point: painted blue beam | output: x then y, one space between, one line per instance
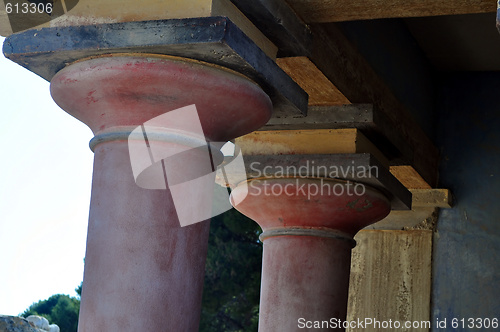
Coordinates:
278 21
211 39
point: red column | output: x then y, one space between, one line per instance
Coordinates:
308 227
143 271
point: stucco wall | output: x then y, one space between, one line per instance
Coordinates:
466 257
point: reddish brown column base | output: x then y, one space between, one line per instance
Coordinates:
143 271
308 227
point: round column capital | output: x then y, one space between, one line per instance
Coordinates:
127 90
310 206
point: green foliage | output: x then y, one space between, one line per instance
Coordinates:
78 290
232 275
58 309
232 281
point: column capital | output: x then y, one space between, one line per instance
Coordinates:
214 40
309 225
113 94
142 268
305 204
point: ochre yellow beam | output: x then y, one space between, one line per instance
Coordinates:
409 177
423 213
431 198
316 141
321 11
321 91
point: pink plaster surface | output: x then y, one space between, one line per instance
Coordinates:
143 271
303 207
305 276
128 91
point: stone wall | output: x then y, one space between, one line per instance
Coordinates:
30 324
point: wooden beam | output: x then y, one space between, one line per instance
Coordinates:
5 28
228 9
320 90
322 11
17 21
315 141
431 198
344 66
409 177
214 40
372 123
277 20
109 11
423 214
359 83
358 167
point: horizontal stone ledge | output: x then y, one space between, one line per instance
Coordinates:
211 39
441 198
277 20
364 117
359 167
423 214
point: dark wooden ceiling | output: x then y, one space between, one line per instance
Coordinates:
459 42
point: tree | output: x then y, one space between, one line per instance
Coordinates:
232 275
78 290
232 281
58 309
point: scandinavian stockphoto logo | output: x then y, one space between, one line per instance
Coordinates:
171 151
24 14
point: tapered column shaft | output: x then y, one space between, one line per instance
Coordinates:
140 262
304 277
143 270
308 225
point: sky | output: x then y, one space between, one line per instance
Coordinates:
46 175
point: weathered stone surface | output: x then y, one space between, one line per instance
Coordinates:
31 324
390 278
54 328
39 322
214 40
15 324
